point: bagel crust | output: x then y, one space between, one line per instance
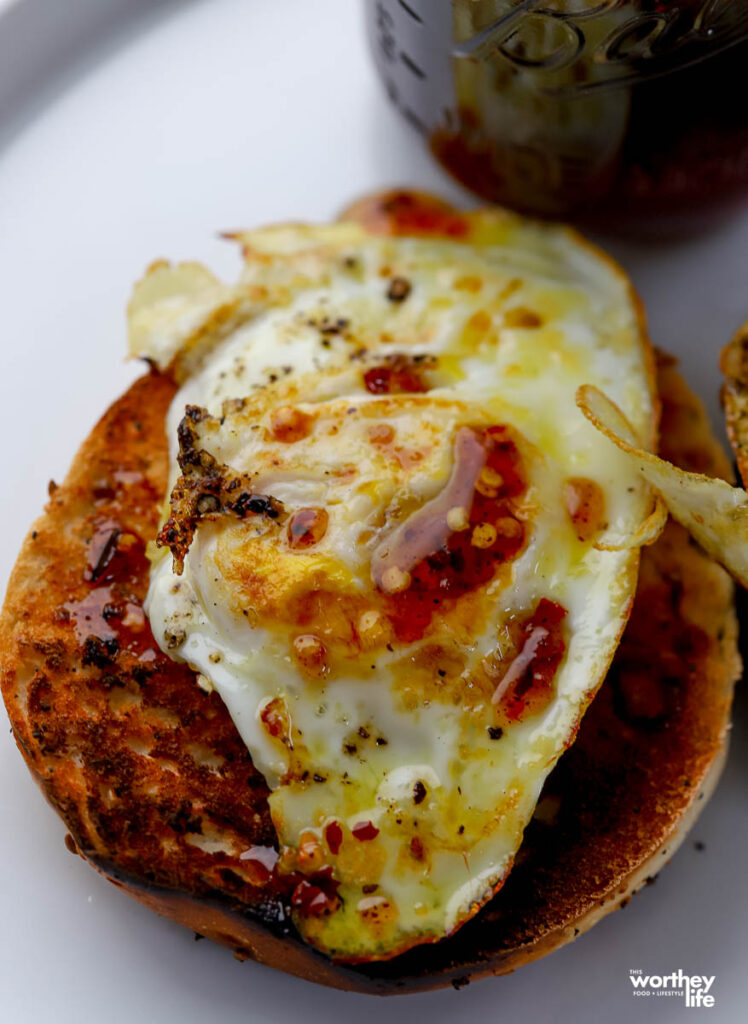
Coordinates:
159 793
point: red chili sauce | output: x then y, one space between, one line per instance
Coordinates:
398 377
533 687
459 564
401 213
109 619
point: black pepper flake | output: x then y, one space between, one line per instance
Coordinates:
399 289
257 505
419 792
329 326
460 830
100 652
319 778
441 672
363 733
698 845
495 732
369 888
350 748
381 741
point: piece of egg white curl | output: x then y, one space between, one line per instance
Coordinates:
397 548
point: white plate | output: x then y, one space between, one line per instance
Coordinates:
137 128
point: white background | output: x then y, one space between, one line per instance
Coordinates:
131 129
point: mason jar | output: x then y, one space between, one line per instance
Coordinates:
615 111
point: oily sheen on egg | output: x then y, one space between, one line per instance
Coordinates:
398 547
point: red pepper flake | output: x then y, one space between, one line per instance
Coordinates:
334 837
364 831
378 380
316 896
398 377
311 900
274 716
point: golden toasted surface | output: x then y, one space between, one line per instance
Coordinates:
146 769
158 791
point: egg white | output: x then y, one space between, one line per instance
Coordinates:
515 319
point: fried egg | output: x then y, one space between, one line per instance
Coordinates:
394 545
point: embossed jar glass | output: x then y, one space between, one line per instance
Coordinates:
619 111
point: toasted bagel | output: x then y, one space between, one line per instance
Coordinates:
158 790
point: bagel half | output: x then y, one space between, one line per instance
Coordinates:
154 783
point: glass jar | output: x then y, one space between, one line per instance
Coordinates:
615 111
